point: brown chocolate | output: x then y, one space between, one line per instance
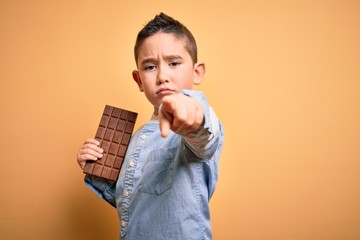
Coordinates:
114 133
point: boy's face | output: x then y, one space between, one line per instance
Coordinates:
165 67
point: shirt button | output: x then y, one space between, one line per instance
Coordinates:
131 163
123 223
143 137
126 193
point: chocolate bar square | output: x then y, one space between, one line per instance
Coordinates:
114 133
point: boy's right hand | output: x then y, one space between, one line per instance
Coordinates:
89 151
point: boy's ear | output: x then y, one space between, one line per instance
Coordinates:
199 72
137 79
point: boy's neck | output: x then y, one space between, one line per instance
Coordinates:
156 111
155 115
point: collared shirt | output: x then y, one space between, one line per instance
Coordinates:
165 184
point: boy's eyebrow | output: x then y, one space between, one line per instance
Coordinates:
167 57
148 60
172 56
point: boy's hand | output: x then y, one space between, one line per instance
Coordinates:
180 113
89 151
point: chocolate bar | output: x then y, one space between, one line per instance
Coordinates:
114 133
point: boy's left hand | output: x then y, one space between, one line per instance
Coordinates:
180 113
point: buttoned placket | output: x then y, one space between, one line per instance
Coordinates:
129 183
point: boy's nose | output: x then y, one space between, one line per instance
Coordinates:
163 76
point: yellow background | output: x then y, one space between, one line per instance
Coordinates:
283 76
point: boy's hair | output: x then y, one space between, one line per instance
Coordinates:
164 23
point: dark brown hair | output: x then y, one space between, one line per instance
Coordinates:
164 23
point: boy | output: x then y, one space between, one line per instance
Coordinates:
171 167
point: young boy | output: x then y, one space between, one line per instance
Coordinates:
171 167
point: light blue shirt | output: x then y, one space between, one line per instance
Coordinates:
165 184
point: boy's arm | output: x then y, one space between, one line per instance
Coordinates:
103 188
189 115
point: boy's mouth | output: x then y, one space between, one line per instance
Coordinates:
165 91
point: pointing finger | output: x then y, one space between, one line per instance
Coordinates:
165 123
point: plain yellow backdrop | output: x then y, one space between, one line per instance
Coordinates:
283 76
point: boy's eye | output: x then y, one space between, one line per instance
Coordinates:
150 67
174 64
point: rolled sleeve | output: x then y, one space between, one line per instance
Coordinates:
204 141
103 188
